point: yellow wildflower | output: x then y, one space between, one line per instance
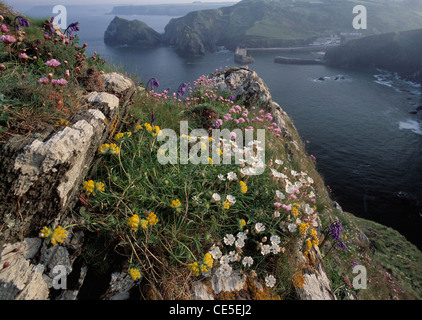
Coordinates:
295 212
210 161
175 203
135 273
45 232
122 135
99 186
148 126
109 148
62 122
92 187
89 186
203 268
152 219
208 260
313 234
303 227
138 127
144 224
226 204
309 244
243 187
133 222
58 235
242 223
194 268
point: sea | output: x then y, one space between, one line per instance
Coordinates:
362 126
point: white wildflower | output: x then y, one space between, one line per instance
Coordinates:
229 239
242 235
290 188
225 270
247 261
231 176
275 249
265 249
259 227
270 281
275 239
231 199
239 243
215 252
292 227
216 197
280 195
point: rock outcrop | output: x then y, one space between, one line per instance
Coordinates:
397 52
122 32
41 176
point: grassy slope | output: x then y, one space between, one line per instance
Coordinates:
262 22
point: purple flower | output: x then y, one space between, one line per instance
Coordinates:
21 22
73 27
182 89
153 83
50 27
335 229
231 97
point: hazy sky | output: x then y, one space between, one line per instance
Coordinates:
27 3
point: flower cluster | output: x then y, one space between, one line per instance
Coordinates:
54 236
335 230
92 187
135 273
134 221
202 268
109 148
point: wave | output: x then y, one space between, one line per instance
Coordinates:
411 125
398 84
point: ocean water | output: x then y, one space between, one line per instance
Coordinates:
359 124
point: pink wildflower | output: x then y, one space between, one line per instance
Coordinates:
52 63
7 39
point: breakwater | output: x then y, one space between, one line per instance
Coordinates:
288 60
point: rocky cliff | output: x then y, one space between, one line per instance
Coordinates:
265 23
397 52
122 32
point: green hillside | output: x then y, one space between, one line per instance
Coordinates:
266 23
